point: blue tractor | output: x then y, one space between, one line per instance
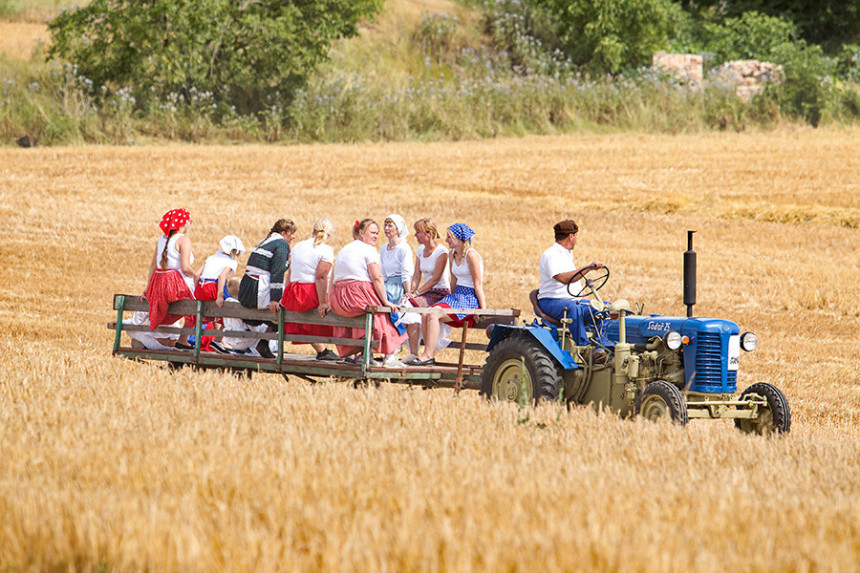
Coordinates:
654 366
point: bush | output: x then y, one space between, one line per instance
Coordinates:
612 35
239 52
807 91
752 36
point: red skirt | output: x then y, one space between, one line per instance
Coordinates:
302 297
349 299
454 321
164 288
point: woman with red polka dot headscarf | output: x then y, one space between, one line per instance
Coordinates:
171 276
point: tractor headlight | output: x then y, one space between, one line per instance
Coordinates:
749 341
673 340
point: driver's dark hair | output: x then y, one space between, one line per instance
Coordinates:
563 236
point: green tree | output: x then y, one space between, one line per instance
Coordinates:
829 23
611 35
238 52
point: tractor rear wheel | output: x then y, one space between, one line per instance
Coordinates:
519 369
773 418
660 399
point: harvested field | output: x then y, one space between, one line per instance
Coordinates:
107 464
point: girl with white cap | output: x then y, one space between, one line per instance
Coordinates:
213 279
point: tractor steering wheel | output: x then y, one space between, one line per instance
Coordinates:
591 285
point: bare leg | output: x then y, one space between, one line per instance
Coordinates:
431 335
414 332
317 346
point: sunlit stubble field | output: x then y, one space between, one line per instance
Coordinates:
110 464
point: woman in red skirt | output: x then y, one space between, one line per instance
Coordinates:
358 284
310 267
171 276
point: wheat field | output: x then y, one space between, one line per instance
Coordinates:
108 464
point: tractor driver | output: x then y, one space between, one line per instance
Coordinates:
556 271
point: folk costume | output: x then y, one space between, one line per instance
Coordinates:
353 292
464 295
301 294
263 281
169 284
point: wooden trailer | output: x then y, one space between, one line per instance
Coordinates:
443 374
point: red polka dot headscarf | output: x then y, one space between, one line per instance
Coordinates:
174 219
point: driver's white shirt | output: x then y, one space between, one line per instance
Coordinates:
553 261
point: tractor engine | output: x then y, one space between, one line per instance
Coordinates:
699 354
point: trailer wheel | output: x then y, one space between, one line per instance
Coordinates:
774 418
504 377
661 399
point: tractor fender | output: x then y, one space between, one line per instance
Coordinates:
542 335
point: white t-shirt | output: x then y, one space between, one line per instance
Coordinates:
397 262
428 266
216 263
352 260
553 261
305 257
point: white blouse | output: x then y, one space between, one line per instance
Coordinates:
428 266
352 261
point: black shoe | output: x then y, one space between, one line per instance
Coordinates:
263 349
183 346
216 346
417 362
327 355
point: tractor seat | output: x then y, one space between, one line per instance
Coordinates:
533 297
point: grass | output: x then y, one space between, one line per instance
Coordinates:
424 70
113 465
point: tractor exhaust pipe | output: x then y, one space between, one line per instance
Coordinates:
690 275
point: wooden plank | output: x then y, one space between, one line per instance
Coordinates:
249 335
439 310
236 310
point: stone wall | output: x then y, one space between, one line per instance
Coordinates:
748 76
686 67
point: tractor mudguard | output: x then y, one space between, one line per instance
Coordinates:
543 335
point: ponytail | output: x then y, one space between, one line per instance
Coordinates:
163 263
322 230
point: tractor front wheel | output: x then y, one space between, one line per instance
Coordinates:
519 370
773 418
661 399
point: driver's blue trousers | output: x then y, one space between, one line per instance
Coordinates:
579 311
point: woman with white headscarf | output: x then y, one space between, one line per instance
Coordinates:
397 259
397 269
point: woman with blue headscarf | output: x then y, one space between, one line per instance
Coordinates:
467 282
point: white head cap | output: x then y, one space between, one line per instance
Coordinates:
400 223
230 243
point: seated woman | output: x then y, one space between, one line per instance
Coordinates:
171 277
431 264
310 269
467 269
397 270
213 278
358 284
262 284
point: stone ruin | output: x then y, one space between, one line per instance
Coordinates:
685 67
748 77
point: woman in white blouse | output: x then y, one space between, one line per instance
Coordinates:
358 284
431 265
310 268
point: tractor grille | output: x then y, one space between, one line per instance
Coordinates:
711 373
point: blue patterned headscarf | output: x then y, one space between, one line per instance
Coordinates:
462 231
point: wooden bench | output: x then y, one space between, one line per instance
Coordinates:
302 365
